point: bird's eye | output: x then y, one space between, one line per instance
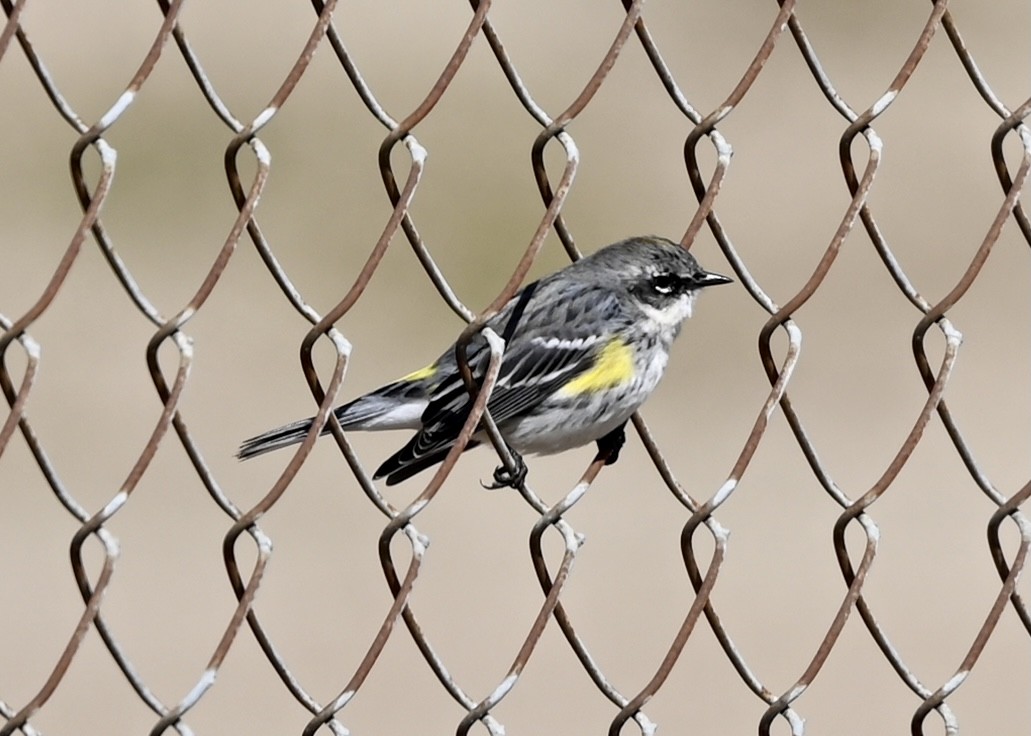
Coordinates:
665 283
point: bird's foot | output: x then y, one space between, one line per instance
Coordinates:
506 478
610 445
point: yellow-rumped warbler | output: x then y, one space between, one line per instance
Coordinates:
584 348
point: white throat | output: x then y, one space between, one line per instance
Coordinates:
671 317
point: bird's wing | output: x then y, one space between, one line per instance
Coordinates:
532 370
537 362
548 342
529 373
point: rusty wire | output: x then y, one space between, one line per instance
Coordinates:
857 505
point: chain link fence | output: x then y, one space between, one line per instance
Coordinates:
819 524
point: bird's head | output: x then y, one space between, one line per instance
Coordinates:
660 275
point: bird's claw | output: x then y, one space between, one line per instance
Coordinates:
505 478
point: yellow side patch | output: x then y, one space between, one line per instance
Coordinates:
615 365
422 373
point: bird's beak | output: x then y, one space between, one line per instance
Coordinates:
707 278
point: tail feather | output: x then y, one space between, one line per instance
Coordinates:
274 439
398 405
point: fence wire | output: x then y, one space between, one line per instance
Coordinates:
402 544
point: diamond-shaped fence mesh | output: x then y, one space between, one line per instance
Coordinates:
819 523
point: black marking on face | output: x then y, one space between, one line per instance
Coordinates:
667 284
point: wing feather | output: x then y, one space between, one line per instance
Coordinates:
538 361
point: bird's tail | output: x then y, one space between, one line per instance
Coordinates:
397 405
289 434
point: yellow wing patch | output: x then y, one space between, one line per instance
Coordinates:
427 372
615 365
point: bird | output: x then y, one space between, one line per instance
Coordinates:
584 347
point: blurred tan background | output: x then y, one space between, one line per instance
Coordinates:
856 386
